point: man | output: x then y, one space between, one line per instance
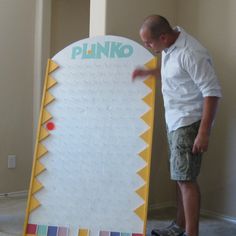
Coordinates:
191 93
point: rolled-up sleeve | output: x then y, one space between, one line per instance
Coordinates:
200 68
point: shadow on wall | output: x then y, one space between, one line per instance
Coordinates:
162 190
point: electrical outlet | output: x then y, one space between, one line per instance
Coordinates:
11 164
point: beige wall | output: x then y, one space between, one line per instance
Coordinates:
16 91
70 22
125 17
213 23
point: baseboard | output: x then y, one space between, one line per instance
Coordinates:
18 194
218 216
161 205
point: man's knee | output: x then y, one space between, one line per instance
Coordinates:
187 184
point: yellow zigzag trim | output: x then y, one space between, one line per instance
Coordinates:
46 116
40 150
150 82
152 63
52 66
145 154
143 173
83 232
140 211
149 99
142 191
146 136
36 186
43 134
48 98
39 168
34 203
51 82
148 117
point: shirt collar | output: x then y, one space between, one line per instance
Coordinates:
180 41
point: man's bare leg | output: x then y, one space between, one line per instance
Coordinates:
191 204
180 218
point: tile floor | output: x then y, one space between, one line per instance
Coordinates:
12 213
12 217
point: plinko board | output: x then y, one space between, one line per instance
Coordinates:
90 173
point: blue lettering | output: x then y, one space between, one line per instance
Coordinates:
115 49
75 52
88 54
127 50
103 49
98 50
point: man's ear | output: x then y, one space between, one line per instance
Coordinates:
163 37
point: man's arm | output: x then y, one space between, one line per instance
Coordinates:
142 72
208 115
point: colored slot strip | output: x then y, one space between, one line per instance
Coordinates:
62 231
31 229
115 234
104 233
126 234
83 232
42 230
52 231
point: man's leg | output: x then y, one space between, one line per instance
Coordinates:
184 169
191 204
180 218
177 227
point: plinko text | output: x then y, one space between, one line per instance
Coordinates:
98 50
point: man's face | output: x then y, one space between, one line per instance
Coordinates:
156 45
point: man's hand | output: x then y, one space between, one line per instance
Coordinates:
202 140
201 143
142 72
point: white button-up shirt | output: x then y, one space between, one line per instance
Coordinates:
187 77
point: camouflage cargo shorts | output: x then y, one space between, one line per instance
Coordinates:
184 165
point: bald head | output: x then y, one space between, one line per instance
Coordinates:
156 25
